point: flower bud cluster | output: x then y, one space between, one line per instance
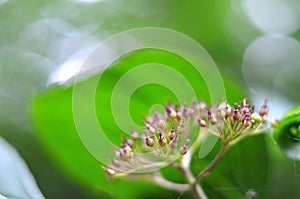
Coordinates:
241 119
167 136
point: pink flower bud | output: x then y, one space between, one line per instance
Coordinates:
201 122
173 143
109 171
134 135
115 162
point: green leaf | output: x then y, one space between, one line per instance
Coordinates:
54 122
231 178
287 133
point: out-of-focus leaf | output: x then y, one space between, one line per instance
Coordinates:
287 133
232 178
16 181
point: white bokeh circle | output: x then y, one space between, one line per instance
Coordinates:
271 70
274 16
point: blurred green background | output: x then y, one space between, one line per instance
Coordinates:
255 45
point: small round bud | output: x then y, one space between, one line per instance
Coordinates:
127 148
171 135
184 111
183 150
124 157
129 142
236 115
118 153
134 135
173 114
264 118
126 154
256 117
245 108
190 111
220 113
109 171
201 122
209 114
150 128
213 120
161 123
149 142
115 162
173 143
264 109
201 106
172 129
161 140
227 112
247 123
149 120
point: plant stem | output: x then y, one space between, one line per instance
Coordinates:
198 192
159 179
201 175
185 168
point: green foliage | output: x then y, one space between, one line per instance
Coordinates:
38 35
56 128
287 133
245 167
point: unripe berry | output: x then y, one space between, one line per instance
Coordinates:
149 142
161 140
171 135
